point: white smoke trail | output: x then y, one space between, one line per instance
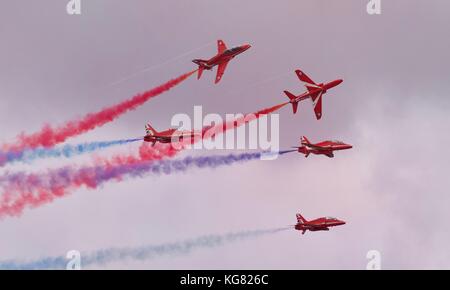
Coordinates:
153 67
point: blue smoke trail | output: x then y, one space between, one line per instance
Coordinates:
143 253
100 175
67 151
57 183
94 176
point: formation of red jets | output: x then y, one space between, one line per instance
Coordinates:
314 92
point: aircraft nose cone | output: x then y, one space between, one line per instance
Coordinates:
246 46
339 81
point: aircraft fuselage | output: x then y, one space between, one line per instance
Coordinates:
225 56
321 88
322 224
324 148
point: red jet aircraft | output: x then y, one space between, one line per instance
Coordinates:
320 224
222 58
314 92
167 136
324 147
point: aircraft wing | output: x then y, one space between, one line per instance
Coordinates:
164 138
315 227
221 46
220 71
186 134
304 78
317 147
330 154
317 104
327 149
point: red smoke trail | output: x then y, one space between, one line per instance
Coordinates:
211 131
49 136
33 190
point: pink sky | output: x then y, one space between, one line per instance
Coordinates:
391 188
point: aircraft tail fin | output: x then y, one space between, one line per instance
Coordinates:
201 66
149 130
300 219
294 107
304 141
292 97
200 71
